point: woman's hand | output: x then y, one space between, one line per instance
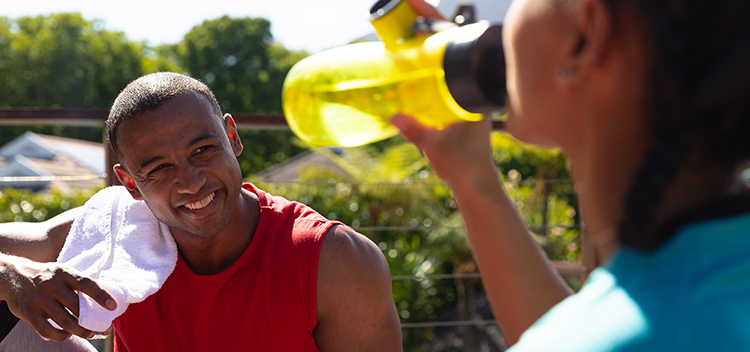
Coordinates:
459 153
426 10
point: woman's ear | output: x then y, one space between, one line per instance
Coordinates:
234 138
127 181
588 41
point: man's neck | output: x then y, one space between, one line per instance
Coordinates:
207 256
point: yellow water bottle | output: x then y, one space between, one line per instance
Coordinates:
344 96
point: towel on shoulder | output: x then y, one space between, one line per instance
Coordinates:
118 242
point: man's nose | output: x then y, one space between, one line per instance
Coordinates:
190 180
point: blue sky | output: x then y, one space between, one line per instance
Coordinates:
312 25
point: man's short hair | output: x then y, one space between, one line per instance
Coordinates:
149 92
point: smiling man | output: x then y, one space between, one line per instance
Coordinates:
255 272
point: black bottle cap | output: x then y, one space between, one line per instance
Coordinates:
381 7
475 71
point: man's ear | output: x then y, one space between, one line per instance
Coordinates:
127 181
588 41
234 138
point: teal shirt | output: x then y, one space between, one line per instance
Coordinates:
692 294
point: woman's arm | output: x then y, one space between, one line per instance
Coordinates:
519 279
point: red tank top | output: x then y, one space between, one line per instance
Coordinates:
266 301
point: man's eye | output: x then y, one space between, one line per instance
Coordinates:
203 149
162 166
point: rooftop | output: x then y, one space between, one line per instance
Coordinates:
50 160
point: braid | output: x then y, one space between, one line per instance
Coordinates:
700 87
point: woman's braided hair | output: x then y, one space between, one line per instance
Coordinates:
699 99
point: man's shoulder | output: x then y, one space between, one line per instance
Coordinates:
349 257
349 264
347 244
281 206
339 243
287 225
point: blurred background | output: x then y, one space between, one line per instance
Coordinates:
72 58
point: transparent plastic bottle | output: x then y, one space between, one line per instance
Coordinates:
344 96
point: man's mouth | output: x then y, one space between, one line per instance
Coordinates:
201 203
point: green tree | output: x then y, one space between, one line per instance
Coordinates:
63 60
238 59
163 58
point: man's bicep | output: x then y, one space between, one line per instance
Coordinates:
355 304
41 242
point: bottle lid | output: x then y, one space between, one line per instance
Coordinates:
381 7
392 20
474 66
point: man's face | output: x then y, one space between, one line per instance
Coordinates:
183 164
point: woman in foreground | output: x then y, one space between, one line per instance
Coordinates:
650 100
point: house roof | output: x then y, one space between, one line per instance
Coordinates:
289 170
36 155
89 154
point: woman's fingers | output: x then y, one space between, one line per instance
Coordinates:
425 9
410 128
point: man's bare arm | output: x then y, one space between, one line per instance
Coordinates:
37 288
355 304
40 242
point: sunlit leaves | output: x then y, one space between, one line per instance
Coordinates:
24 205
63 60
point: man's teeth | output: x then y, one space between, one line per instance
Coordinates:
201 203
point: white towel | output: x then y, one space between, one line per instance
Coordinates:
118 242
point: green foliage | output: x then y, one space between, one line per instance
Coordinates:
529 161
238 60
24 205
545 175
264 148
63 60
163 58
